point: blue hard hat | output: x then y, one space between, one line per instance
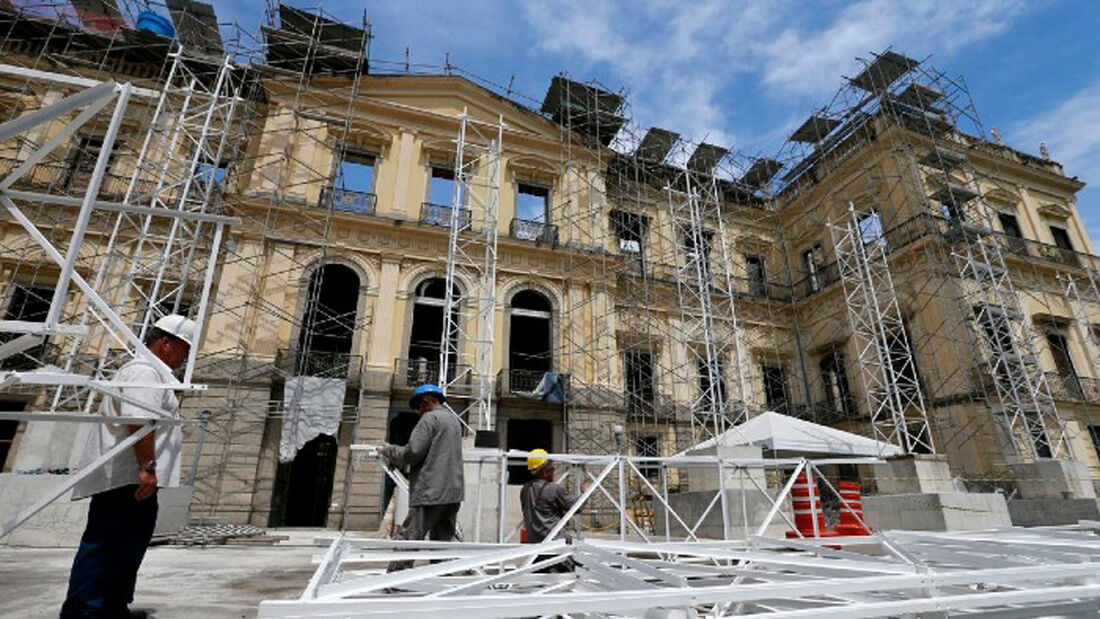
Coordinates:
423 390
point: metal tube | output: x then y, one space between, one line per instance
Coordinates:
61 291
204 418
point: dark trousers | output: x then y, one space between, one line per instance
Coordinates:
105 569
437 522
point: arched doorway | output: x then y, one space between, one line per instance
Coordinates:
426 330
303 486
529 339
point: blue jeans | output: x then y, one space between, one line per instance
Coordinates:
105 569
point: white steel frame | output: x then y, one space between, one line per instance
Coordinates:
476 197
611 477
183 212
890 386
708 316
1010 572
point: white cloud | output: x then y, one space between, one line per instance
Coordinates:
686 64
802 61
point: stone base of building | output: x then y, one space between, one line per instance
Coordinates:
917 492
940 511
1048 512
61 523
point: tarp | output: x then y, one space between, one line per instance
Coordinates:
311 406
788 436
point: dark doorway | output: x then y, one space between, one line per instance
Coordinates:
328 323
529 344
426 332
308 483
525 435
8 428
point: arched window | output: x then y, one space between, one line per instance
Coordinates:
426 332
328 320
529 342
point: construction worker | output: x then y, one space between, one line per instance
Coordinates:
123 510
544 501
434 455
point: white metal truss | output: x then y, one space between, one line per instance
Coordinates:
476 199
610 479
1012 572
100 327
891 387
708 317
156 261
1026 403
1080 313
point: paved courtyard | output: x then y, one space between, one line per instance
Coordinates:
175 581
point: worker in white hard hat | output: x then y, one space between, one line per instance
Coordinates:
123 491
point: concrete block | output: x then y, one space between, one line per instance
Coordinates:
943 511
1054 479
914 474
60 524
1047 512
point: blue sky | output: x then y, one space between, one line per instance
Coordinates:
745 73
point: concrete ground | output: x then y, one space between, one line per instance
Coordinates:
175 582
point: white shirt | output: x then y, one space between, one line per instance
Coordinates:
122 470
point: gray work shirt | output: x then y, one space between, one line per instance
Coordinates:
434 455
544 504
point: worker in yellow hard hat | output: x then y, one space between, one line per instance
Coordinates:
544 501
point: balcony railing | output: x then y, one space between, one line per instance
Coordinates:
62 178
1073 388
411 373
521 383
348 200
822 277
440 215
536 231
317 363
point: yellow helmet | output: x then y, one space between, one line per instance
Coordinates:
534 462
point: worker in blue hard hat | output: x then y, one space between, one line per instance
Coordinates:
434 457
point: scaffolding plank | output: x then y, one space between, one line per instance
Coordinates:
323 30
953 194
883 71
706 158
196 25
761 172
814 129
921 96
943 159
657 144
588 110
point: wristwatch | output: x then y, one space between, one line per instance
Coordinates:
150 466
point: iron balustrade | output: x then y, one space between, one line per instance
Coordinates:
318 363
1073 387
522 382
348 200
440 215
411 373
527 230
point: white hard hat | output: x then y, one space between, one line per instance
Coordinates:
178 326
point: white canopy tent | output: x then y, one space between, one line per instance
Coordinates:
787 436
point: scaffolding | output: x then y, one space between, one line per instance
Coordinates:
690 282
